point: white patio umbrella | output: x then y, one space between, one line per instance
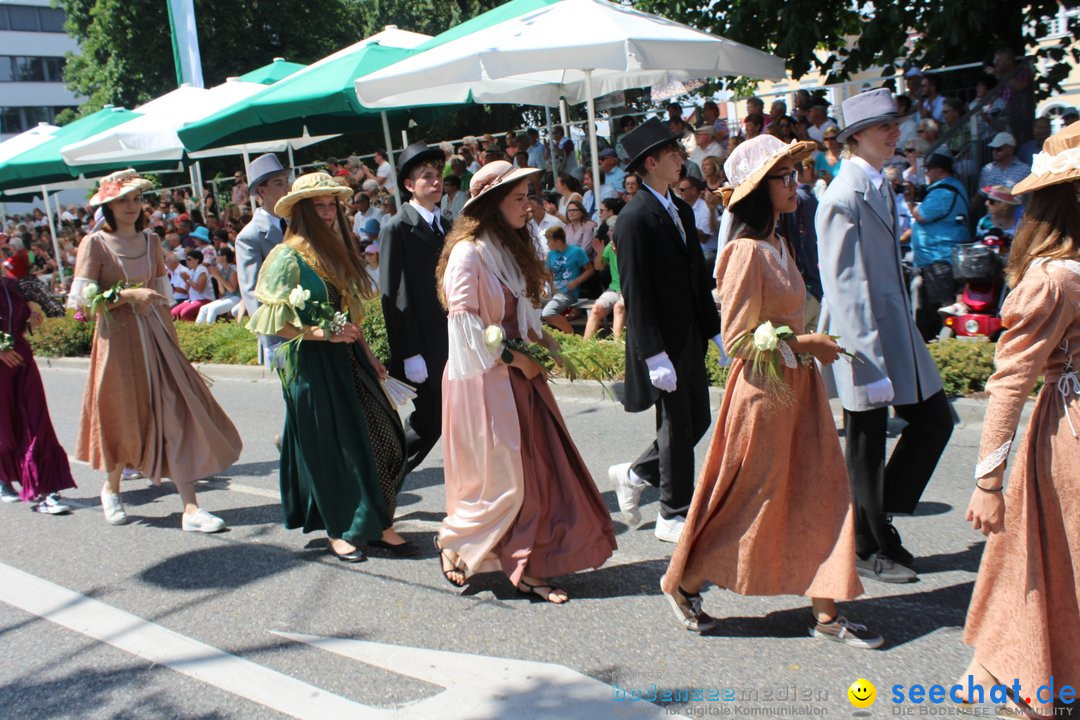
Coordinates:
18 144
573 49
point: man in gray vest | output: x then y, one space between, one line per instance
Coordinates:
268 181
866 304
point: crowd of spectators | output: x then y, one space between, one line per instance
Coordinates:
944 135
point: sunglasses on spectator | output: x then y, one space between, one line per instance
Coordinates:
788 179
992 201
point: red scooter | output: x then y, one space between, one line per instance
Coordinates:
980 266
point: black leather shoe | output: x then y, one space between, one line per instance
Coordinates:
881 568
405 549
353 556
897 552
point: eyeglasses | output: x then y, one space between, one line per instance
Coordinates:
992 201
787 178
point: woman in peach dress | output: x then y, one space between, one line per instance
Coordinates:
519 498
771 513
144 405
1023 621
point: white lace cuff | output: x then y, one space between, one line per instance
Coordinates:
990 463
787 355
469 354
75 299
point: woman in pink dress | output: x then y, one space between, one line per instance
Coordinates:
771 513
518 496
1023 621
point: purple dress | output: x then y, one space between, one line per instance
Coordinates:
29 451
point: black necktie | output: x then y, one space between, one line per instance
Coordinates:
283 224
437 228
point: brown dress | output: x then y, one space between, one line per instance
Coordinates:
144 405
771 513
1023 620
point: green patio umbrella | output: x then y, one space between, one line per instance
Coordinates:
43 163
269 74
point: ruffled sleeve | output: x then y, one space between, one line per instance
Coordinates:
87 270
740 286
469 355
1036 317
280 273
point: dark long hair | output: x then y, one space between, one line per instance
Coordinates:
484 216
754 217
1050 229
336 257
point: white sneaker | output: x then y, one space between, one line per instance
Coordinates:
202 521
113 508
8 493
51 505
131 474
627 492
669 530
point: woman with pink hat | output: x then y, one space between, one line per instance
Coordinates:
519 498
771 512
144 405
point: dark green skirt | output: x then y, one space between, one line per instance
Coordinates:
343 446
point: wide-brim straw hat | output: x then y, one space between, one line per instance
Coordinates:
309 186
493 175
752 160
117 185
1059 162
1000 193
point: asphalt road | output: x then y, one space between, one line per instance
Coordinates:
145 621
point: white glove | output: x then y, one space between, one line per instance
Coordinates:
880 391
661 372
415 369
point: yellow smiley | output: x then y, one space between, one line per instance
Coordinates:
862 693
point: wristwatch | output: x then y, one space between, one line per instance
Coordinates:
507 357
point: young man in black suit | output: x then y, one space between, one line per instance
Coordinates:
671 317
410 245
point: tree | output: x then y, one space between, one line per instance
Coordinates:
126 54
839 38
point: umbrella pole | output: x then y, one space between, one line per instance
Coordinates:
550 147
292 162
52 230
390 156
593 154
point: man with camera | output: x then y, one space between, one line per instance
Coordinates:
939 224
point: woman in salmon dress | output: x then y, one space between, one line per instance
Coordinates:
29 450
519 498
771 513
144 405
1023 621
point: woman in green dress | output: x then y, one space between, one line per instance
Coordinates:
343 446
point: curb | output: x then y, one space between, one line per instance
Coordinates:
966 411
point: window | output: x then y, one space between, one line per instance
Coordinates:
18 119
11 120
31 69
27 18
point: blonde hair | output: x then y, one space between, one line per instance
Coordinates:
330 251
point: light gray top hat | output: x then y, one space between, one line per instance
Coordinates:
866 110
262 168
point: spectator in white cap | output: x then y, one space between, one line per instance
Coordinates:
1005 169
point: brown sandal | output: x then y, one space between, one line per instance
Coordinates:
453 569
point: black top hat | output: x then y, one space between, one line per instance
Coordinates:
645 137
412 156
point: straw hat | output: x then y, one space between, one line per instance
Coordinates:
308 186
753 159
1000 193
493 175
1059 162
117 185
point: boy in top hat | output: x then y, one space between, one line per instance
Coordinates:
865 302
268 181
410 244
671 317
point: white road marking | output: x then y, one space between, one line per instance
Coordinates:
476 686
162 646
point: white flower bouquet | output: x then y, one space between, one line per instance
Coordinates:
767 352
96 299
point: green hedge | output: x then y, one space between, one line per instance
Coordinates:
964 366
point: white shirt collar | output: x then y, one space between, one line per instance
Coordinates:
664 199
428 215
872 173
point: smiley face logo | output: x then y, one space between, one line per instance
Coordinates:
862 693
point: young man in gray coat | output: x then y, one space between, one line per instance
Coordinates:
268 181
866 304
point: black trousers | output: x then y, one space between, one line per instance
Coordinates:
424 426
682 418
879 489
